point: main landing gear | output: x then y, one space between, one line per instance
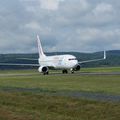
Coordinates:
45 73
64 71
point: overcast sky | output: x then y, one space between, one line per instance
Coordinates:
63 25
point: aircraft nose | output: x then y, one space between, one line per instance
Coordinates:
75 62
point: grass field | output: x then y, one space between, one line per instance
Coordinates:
88 83
27 106
101 69
18 104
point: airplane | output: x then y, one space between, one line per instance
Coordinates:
62 62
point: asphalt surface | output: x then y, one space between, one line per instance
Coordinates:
17 74
59 74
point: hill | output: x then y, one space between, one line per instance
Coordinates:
113 59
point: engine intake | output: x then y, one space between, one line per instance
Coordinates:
77 68
43 69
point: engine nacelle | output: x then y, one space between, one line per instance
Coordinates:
77 68
43 69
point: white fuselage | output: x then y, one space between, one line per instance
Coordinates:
59 61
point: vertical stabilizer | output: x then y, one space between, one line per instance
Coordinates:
40 50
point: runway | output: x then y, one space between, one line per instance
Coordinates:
87 73
18 74
60 74
99 73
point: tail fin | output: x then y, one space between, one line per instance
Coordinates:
40 50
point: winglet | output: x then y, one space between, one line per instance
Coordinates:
41 53
104 54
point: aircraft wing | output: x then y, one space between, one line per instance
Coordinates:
87 61
26 59
12 64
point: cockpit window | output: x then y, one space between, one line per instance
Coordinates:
72 59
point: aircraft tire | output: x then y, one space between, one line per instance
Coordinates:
45 73
72 72
64 71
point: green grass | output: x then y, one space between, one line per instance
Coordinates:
102 84
27 106
101 69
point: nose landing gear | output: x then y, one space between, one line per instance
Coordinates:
72 71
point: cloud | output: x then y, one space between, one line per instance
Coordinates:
32 25
103 8
103 12
50 4
33 5
63 25
92 39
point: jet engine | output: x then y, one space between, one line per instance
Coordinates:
77 67
43 69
